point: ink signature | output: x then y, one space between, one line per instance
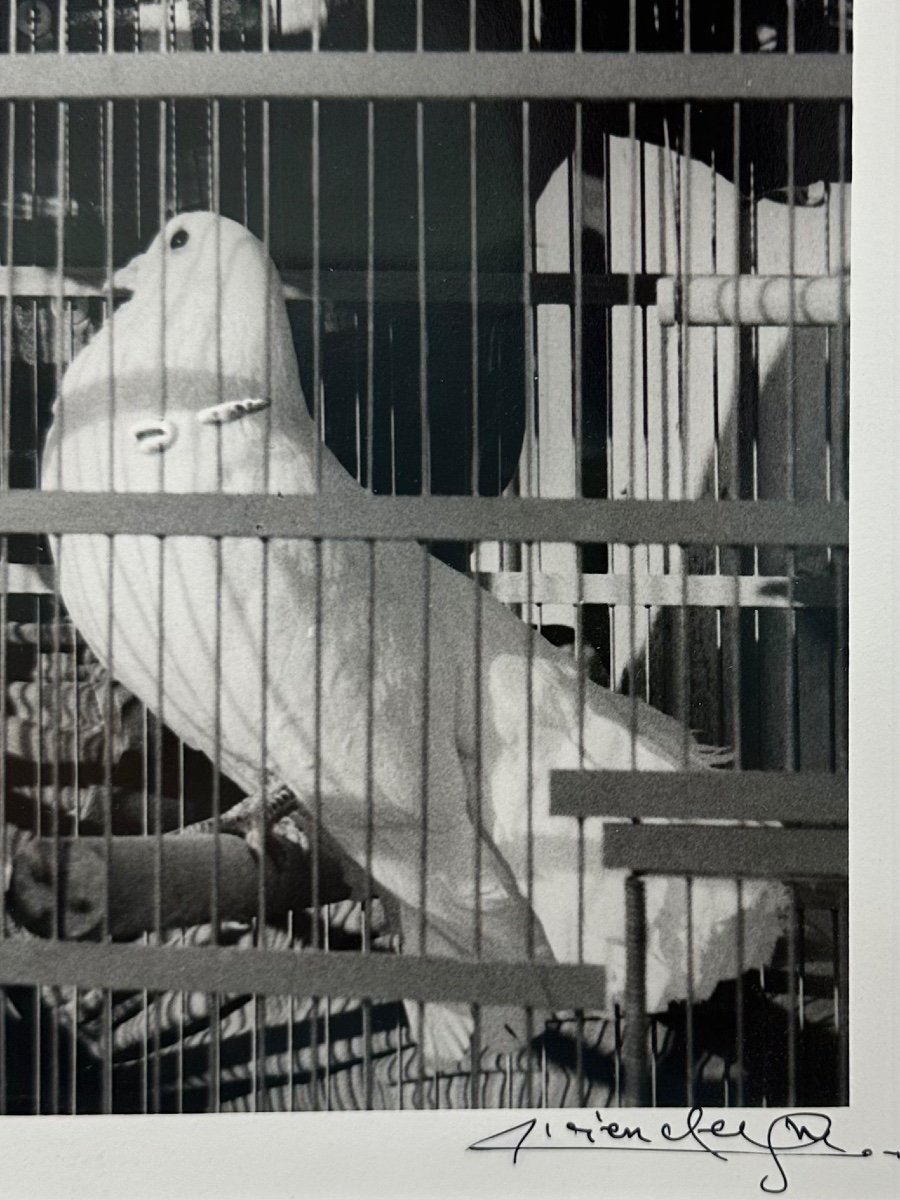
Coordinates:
790 1134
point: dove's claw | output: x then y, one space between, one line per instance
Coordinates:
266 824
444 1036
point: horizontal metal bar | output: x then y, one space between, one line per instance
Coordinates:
725 300
432 76
391 287
232 971
663 591
726 852
651 591
429 518
813 798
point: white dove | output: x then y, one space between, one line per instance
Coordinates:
192 386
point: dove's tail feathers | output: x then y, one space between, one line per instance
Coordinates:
615 732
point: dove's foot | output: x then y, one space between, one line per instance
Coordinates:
443 1033
447 1035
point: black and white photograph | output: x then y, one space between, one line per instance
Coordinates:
425 565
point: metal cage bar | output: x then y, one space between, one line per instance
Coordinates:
724 851
226 970
432 518
431 76
813 798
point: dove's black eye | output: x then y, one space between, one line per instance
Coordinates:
178 239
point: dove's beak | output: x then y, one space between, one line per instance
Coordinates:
125 279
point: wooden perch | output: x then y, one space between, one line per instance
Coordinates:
727 300
73 908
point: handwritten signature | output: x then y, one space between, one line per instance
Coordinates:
806 1133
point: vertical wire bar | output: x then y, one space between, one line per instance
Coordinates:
689 1002
735 490
106 1040
683 218
475 1078
4 1001
735 493
632 658
317 800
740 944
370 278
157 810
631 301
527 303
839 428
792 999
173 122
424 767
291 1010
577 226
157 725
215 904
259 1093
683 250
35 992
643 402
181 997
56 698
424 416
581 867
327 1021
479 820
152 729
791 697
529 802
6 355
841 703
318 416
577 299
473 267
801 968
529 317
37 1047
37 1042
843 997
717 467
107 1031
608 374
368 1078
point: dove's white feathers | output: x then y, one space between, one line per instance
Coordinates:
220 604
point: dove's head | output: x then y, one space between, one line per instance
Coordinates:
198 367
206 287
